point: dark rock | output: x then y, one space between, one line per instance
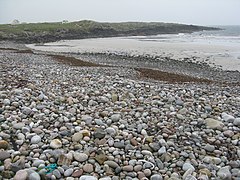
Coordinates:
7 174
129 147
118 170
20 164
155 146
119 145
99 133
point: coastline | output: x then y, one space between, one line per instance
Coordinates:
224 57
49 32
218 63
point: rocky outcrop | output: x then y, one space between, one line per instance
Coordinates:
37 33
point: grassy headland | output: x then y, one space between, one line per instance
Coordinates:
47 32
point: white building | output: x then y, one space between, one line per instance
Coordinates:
15 21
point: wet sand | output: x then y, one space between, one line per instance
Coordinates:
226 57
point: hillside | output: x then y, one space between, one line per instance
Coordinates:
47 32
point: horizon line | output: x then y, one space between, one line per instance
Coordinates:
71 21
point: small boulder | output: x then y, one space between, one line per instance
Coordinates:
111 164
214 124
77 137
227 118
56 143
88 119
34 176
156 177
85 177
224 173
18 125
21 175
115 117
88 168
4 155
35 139
68 172
187 166
99 133
236 122
101 158
4 144
80 157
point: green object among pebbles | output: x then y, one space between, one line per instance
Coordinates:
50 168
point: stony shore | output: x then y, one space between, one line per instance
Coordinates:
81 120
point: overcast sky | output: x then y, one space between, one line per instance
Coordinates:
202 12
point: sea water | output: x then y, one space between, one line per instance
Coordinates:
227 36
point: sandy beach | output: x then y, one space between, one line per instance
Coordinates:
225 56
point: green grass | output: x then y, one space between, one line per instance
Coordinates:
81 25
86 28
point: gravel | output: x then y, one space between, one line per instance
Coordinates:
105 122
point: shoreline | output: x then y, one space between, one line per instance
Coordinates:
170 58
147 72
144 73
216 55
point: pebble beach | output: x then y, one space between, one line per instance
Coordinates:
93 120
